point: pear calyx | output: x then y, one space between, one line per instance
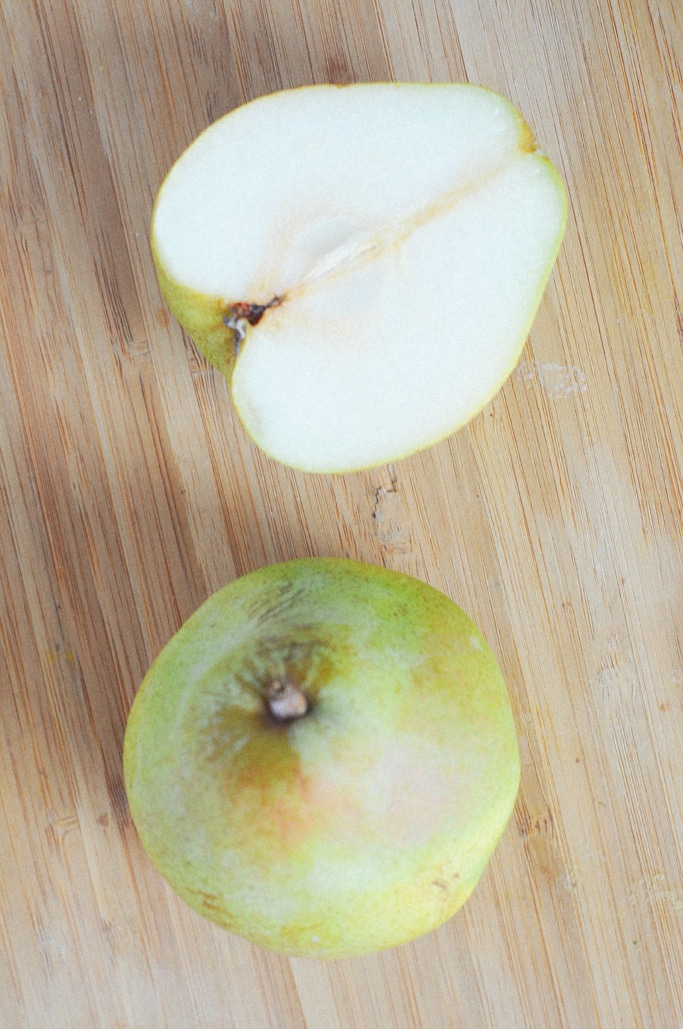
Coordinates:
242 314
286 700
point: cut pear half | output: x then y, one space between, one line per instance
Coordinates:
363 263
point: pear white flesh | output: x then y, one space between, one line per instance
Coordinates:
399 237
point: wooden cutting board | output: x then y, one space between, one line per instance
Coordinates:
129 492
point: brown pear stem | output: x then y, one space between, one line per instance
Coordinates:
286 700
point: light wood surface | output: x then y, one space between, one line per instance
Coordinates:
129 492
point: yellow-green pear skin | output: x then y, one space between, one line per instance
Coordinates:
323 758
203 318
363 263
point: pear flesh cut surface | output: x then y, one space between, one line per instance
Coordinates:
372 257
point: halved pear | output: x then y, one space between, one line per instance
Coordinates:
363 263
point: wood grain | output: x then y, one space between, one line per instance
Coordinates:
129 492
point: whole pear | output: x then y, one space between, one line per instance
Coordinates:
323 758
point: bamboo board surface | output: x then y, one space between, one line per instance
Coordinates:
129 493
